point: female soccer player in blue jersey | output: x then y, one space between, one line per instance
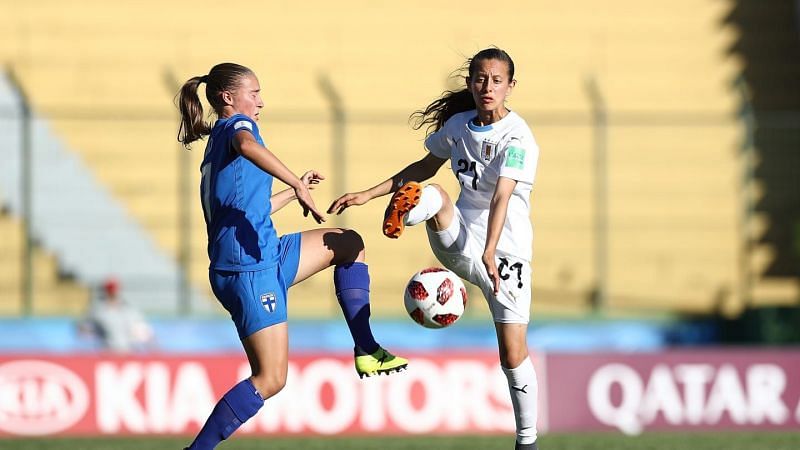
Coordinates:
251 266
487 236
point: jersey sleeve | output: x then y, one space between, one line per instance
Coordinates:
519 159
438 144
241 122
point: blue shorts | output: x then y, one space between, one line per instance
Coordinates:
257 299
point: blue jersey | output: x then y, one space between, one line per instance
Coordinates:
235 194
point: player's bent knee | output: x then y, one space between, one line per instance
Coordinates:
445 197
269 384
511 358
442 192
444 210
346 244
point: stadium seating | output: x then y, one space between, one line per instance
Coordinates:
105 75
54 293
74 218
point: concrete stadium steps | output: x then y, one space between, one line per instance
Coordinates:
52 293
76 219
660 59
139 162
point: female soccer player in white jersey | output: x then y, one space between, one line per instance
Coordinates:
487 236
251 266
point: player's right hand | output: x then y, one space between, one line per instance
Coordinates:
491 270
348 200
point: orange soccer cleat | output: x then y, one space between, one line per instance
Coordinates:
403 201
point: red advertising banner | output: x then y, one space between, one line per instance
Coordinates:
87 395
457 393
689 390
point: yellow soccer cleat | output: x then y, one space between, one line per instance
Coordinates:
378 363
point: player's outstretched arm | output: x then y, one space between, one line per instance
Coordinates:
282 198
418 171
247 146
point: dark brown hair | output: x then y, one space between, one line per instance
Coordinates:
222 77
451 103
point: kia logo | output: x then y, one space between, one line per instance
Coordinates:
39 397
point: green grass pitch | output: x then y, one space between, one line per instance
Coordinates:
611 441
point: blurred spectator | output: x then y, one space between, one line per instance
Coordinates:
118 325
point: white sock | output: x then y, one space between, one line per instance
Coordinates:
430 202
524 392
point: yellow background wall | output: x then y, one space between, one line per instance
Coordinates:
104 72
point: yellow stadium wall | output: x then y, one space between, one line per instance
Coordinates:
104 72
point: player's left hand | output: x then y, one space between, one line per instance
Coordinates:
491 270
311 178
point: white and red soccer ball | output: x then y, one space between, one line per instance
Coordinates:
435 297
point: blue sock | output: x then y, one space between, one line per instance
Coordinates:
352 290
233 409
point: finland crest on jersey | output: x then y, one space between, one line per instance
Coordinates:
269 300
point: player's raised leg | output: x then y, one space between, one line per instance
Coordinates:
344 249
522 383
412 204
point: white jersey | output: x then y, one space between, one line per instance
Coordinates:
479 155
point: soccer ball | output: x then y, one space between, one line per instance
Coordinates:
435 297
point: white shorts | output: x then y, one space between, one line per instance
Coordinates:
460 249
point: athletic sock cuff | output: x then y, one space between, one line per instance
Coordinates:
524 362
353 275
244 400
